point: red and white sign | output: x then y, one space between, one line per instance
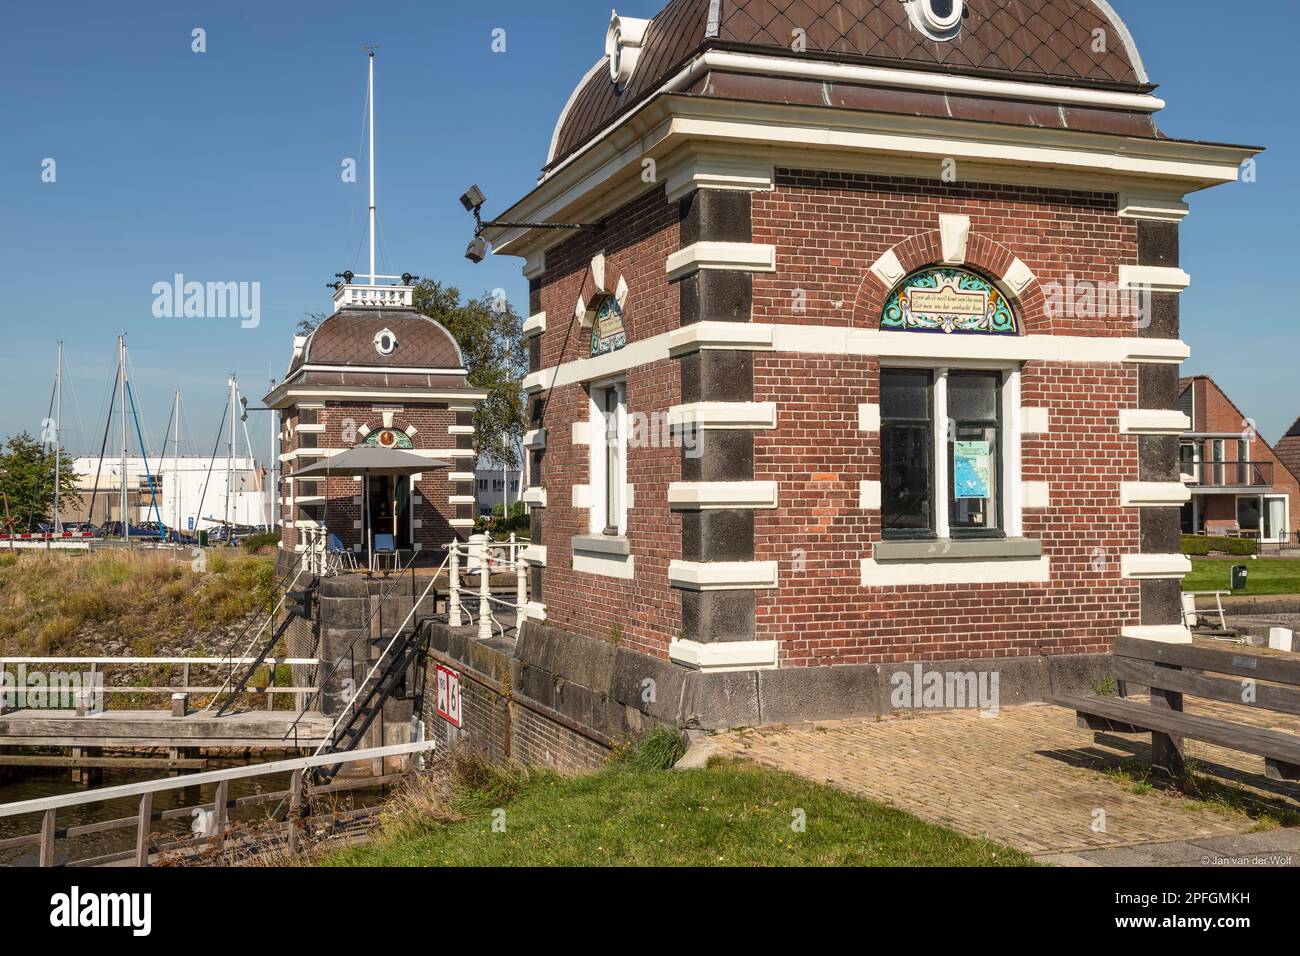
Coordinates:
449 696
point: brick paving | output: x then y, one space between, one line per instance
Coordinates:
1031 779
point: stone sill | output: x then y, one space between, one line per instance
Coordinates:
966 549
602 544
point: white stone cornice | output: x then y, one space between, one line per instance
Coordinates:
535 497
723 575
1153 278
724 416
1151 421
722 495
535 325
731 256
726 656
1159 633
1154 494
1155 567
535 440
534 554
1164 209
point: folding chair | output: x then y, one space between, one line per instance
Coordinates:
386 549
341 557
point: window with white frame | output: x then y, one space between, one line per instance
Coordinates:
609 459
949 467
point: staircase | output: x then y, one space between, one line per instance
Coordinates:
297 606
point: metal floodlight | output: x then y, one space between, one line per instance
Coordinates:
478 250
473 199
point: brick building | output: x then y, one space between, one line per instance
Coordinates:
869 356
1239 483
377 372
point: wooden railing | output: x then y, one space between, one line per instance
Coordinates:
215 829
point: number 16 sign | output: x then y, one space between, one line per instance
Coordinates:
449 695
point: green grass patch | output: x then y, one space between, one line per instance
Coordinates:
1203 792
731 814
60 603
1267 575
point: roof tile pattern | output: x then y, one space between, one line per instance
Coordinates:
348 339
1032 39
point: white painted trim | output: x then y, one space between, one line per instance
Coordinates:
461 522
1155 567
621 566
534 264
601 64
1160 208
723 575
535 440
1150 421
462 500
710 171
725 657
1160 633
535 497
869 495
309 430
535 611
732 256
1035 421
1019 277
1130 47
460 429
838 340
999 571
534 554
954 234
582 497
868 418
718 495
459 477
1035 495
1154 494
534 325
724 416
581 434
1154 278
888 269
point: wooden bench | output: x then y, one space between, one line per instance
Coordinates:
1248 677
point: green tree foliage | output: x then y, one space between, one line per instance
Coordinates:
490 333
27 479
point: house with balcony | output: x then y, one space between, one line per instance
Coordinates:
1241 486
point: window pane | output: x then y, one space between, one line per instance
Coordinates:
613 469
905 465
973 460
904 394
973 396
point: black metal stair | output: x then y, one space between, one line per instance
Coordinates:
298 605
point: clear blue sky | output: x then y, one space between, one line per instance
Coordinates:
225 166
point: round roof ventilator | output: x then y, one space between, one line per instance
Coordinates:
937 19
623 46
386 342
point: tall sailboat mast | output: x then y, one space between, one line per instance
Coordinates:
371 113
58 435
230 455
121 359
176 465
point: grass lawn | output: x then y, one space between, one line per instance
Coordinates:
731 814
1267 575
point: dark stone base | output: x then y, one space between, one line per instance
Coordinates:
604 693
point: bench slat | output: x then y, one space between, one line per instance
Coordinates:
1255 740
1271 697
1253 662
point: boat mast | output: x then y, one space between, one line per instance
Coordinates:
230 456
371 112
121 358
58 435
176 465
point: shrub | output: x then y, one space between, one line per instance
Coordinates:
1198 545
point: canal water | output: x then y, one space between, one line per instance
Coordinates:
33 785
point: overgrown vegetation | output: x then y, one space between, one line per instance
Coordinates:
1267 576
634 813
258 542
59 603
1203 792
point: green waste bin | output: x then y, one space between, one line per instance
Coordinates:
203 539
1239 575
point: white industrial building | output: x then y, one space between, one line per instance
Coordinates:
189 492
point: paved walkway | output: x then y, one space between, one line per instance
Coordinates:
1031 779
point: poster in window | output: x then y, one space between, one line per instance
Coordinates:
971 469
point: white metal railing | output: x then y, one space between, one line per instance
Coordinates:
98 665
221 803
486 557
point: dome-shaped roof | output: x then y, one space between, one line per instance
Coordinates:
381 338
1073 41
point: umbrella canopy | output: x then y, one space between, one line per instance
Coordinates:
369 460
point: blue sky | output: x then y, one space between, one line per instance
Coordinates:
225 166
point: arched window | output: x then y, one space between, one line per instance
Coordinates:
949 301
607 332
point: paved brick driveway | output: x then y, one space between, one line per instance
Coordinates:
1029 778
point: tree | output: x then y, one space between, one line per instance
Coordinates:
27 478
490 333
310 323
